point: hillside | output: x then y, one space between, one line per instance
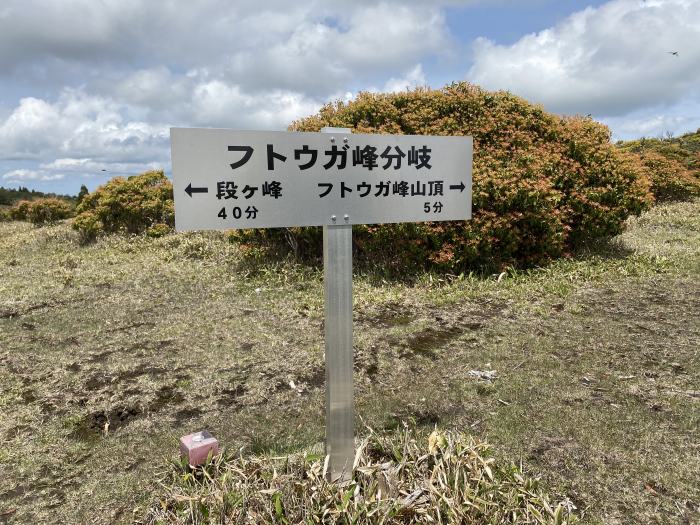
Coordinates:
110 352
685 148
8 196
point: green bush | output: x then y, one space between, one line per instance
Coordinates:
88 226
159 230
131 205
541 183
48 211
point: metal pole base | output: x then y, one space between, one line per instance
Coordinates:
337 263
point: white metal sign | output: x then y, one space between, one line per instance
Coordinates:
225 179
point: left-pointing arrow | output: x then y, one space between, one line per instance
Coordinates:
190 190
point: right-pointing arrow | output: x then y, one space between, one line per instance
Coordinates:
459 187
189 190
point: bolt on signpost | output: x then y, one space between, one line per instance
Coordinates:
226 179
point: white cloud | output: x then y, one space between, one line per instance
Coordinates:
319 57
78 125
73 165
90 168
85 133
314 47
216 103
413 79
656 121
250 64
24 175
90 86
607 61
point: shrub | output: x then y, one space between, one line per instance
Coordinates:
673 166
670 180
541 183
20 211
131 205
159 230
88 226
48 211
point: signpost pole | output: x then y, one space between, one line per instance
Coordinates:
337 269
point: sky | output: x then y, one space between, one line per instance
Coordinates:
90 88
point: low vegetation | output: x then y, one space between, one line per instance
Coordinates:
583 373
41 211
684 149
49 211
542 185
398 478
30 205
9 196
672 164
132 205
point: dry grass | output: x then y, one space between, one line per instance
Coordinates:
398 478
595 358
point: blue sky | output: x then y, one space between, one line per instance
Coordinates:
89 89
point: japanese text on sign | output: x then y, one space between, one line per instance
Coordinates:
229 179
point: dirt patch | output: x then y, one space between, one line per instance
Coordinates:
131 326
100 357
94 424
187 414
166 395
316 378
366 361
246 347
10 314
231 397
388 315
139 371
428 341
97 381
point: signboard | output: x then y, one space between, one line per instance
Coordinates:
226 179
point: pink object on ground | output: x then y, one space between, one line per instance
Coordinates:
195 447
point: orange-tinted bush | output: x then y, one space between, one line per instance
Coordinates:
131 205
541 183
48 211
20 211
672 164
670 180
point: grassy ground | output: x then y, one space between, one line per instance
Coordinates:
108 353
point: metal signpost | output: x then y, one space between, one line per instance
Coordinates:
226 179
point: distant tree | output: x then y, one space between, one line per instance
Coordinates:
82 193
